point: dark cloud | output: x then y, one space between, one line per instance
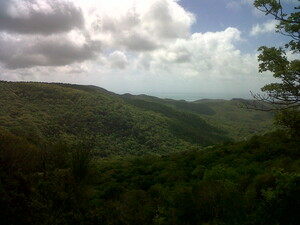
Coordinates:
183 56
28 16
56 51
118 60
126 31
137 42
53 33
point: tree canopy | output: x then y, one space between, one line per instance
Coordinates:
285 95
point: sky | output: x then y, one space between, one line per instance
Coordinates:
182 49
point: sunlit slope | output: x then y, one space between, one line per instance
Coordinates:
44 113
233 116
240 121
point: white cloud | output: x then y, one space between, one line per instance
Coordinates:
128 45
201 54
139 25
266 27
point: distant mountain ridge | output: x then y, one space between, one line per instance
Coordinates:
230 115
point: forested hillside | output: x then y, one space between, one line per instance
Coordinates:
48 113
246 183
179 164
81 155
232 116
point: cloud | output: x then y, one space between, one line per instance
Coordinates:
43 33
266 27
142 26
136 42
24 52
39 16
57 33
121 45
166 19
203 54
118 60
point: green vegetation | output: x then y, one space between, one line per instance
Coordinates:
54 169
240 123
54 139
283 96
250 182
48 113
179 165
186 125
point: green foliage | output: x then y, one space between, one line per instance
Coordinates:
186 125
36 186
229 116
227 184
250 182
81 160
48 113
289 118
289 22
181 104
18 161
52 170
286 94
240 123
17 154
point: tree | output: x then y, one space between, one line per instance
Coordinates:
82 156
283 96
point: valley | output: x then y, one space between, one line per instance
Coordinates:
73 154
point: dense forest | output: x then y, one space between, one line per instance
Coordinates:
81 155
250 182
73 154
118 125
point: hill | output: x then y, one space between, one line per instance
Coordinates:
232 116
52 171
46 113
